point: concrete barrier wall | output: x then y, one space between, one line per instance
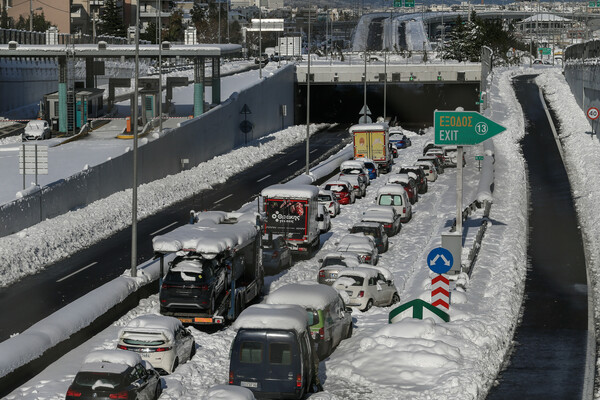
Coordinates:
214 133
584 80
27 81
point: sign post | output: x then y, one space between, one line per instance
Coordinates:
593 113
462 128
440 261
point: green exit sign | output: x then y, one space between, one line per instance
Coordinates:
592 4
479 158
546 51
397 3
409 3
463 128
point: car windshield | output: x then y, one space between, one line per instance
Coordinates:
333 261
98 379
351 171
357 280
366 230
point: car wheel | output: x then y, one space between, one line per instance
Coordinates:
368 306
349 334
395 299
193 349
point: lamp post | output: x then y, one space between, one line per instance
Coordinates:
159 29
308 98
135 149
30 15
259 41
365 89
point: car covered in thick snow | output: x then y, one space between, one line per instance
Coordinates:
367 287
332 262
115 374
376 231
362 244
162 341
329 319
370 166
355 167
395 196
37 130
386 216
408 182
429 169
343 191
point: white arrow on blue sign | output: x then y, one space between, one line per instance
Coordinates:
440 260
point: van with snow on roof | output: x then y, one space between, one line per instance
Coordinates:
291 211
395 196
272 353
329 319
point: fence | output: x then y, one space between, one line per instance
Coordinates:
27 37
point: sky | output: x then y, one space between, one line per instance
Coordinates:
416 359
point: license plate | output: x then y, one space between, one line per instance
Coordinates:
145 355
186 320
349 292
249 384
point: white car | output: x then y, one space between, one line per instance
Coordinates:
355 167
37 130
362 244
328 199
333 262
395 196
367 287
162 341
430 171
323 218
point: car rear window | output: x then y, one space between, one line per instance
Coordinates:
389 200
98 379
358 280
324 197
144 342
366 230
333 261
251 352
280 353
335 188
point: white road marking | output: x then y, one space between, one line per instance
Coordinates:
263 178
312 151
76 272
220 200
163 228
293 162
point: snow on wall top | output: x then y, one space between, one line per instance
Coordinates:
368 127
206 237
308 295
289 190
110 360
153 324
273 316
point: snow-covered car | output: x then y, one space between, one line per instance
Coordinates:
323 218
333 262
394 150
115 374
328 199
355 167
367 287
439 168
358 184
329 319
229 392
162 341
408 182
361 244
420 178
343 191
370 166
395 196
276 254
399 139
439 153
451 154
36 130
429 169
387 216
376 231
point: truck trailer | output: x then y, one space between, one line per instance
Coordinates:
372 141
291 211
217 269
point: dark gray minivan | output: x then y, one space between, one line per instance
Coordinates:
272 353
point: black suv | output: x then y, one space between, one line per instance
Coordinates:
421 177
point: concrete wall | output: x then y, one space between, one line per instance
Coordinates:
214 133
582 72
27 80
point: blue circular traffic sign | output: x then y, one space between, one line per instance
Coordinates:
440 260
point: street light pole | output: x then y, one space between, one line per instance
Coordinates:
160 122
135 147
308 99
259 41
30 15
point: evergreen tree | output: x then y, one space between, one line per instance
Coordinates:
150 34
5 20
175 32
112 20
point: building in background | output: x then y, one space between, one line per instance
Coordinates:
57 12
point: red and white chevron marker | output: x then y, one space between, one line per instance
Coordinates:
440 293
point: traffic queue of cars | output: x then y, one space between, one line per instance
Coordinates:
278 344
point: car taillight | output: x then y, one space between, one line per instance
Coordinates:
321 274
356 187
361 293
120 346
322 333
275 254
73 393
160 349
120 395
231 377
404 210
343 194
299 380
431 171
387 226
367 258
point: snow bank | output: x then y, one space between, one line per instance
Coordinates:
307 294
228 392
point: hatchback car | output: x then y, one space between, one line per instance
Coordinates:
409 184
343 191
355 167
376 231
387 216
333 262
276 254
367 287
37 130
162 341
395 196
399 139
361 244
439 168
328 199
439 153
115 374
370 166
358 183
429 169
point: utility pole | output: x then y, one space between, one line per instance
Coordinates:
308 98
30 15
135 147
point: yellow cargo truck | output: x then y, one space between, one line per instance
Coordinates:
372 141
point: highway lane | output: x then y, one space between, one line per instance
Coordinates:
37 296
